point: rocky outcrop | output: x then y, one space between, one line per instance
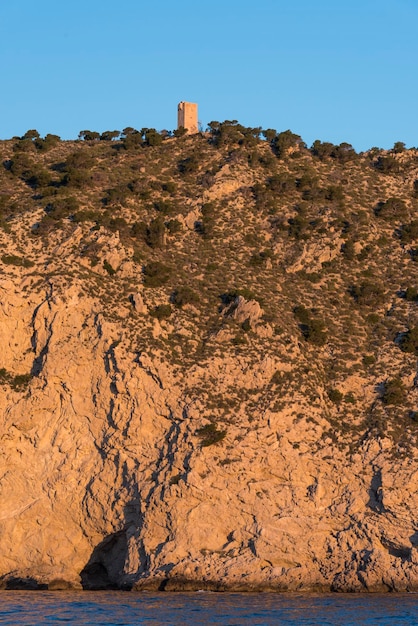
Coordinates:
243 310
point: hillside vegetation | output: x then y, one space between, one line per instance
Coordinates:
324 240
265 294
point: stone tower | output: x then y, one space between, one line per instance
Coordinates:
187 116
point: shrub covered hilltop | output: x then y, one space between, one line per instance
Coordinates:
208 364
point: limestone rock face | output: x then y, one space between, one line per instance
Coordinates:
242 310
208 366
104 480
138 302
313 255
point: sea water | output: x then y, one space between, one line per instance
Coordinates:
233 609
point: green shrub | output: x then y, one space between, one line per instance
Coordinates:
170 187
155 236
189 165
78 170
349 398
335 396
246 325
394 392
62 207
117 195
174 226
369 359
109 269
161 312
311 328
156 274
24 145
281 378
299 227
334 193
18 382
139 230
229 296
409 341
116 224
86 216
284 141
45 225
49 142
88 135
260 258
151 137
12 259
78 178
368 293
184 295
210 435
165 207
348 250
4 202
315 332
387 164
409 232
280 183
392 209
302 314
411 294
137 257
373 319
207 225
398 147
23 166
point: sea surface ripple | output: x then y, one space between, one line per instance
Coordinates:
20 608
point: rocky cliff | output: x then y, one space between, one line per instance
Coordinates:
221 395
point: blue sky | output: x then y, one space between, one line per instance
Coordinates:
334 70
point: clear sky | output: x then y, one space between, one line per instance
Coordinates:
335 70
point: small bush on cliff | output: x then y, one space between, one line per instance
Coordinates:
13 259
260 258
207 225
62 207
18 382
387 164
155 234
394 392
335 396
184 295
409 232
189 165
368 293
108 267
78 170
311 328
210 435
392 208
174 226
411 294
161 312
156 274
409 341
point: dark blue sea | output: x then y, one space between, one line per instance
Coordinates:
234 609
